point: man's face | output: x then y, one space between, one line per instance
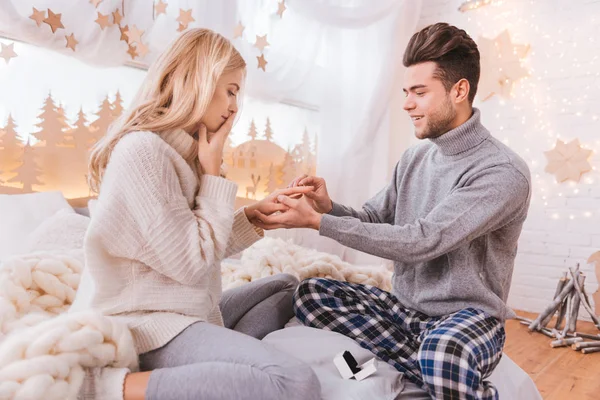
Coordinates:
427 101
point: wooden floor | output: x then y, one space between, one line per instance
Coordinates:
559 373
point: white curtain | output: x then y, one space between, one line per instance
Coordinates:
339 56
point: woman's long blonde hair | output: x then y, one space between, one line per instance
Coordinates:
174 95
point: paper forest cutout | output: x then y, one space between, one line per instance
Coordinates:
58 161
568 161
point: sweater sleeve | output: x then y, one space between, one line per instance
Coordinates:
243 234
492 199
183 244
379 209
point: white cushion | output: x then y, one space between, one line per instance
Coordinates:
21 214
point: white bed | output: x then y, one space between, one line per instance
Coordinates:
318 348
35 218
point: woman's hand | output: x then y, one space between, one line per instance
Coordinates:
270 204
210 149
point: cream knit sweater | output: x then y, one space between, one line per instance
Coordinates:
157 235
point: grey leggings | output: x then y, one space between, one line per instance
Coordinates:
207 362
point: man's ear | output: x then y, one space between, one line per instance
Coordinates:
461 91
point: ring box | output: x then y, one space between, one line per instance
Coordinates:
348 367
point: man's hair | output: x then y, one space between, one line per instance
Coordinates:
452 49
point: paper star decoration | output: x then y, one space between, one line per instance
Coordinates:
262 62
181 27
124 30
95 2
54 21
117 17
71 42
132 52
7 52
160 7
142 49
184 19
281 8
239 30
261 42
500 65
38 16
103 20
568 161
135 35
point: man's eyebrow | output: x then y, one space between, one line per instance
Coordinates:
414 87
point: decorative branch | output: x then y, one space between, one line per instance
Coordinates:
565 342
535 325
559 287
587 307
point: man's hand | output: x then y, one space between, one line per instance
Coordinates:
299 214
319 198
270 204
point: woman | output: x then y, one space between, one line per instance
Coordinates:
163 221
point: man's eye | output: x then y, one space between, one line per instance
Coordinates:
420 93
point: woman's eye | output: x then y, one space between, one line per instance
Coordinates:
231 93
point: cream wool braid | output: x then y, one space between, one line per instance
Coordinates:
44 349
271 256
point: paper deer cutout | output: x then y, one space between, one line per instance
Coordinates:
252 189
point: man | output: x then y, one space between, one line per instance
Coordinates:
449 219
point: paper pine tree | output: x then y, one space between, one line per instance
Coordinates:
252 132
289 169
28 172
105 117
268 131
52 125
272 180
10 146
81 135
117 106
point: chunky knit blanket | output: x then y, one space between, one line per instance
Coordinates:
44 349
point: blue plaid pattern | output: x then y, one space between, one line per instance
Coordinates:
448 356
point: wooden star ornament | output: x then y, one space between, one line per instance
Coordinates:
135 35
160 8
500 65
281 8
7 51
117 17
185 17
262 62
239 30
103 20
38 16
132 52
261 42
54 21
124 30
568 161
71 42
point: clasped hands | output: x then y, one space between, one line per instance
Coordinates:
300 205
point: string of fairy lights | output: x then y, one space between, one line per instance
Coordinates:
556 101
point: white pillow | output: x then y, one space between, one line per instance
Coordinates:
20 214
65 230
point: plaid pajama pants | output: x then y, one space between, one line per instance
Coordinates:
448 356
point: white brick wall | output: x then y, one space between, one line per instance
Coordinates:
561 98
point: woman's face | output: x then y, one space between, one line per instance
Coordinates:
224 101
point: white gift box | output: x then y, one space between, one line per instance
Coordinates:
348 367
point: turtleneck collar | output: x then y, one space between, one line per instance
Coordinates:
463 137
183 143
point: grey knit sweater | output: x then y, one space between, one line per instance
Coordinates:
450 220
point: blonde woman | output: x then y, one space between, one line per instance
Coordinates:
163 221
